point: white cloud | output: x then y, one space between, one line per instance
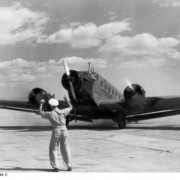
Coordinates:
141 44
16 70
168 3
18 23
112 29
23 71
143 62
80 63
112 15
20 70
138 43
87 35
141 51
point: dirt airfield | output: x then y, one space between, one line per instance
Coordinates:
148 146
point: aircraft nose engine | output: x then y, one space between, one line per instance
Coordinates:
74 77
36 95
134 95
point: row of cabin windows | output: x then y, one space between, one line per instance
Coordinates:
107 88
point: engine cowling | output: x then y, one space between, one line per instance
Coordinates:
74 77
134 95
36 95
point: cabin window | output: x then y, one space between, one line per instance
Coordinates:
116 94
113 92
109 89
105 87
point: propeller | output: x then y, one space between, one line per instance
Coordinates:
66 68
129 84
69 79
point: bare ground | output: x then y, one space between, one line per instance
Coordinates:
148 146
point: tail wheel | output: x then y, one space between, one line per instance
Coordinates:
121 120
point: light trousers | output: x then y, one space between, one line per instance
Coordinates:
60 139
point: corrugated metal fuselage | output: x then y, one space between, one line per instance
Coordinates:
94 88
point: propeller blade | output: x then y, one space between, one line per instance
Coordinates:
72 90
70 83
66 68
129 84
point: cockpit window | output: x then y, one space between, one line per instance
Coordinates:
96 76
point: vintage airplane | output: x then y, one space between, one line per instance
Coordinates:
93 97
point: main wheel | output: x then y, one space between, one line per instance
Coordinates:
121 120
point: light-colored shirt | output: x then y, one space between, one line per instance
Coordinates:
57 117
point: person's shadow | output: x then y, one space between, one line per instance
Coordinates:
28 169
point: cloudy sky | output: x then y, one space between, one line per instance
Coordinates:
134 40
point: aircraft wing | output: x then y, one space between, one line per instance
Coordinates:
19 105
155 107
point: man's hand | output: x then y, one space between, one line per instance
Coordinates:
65 98
42 101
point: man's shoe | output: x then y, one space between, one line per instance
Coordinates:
69 168
56 170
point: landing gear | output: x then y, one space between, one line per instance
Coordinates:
121 120
67 121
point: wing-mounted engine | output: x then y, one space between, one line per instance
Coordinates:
134 95
36 95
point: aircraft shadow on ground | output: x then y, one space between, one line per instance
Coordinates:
27 129
163 127
27 169
140 127
79 127
95 128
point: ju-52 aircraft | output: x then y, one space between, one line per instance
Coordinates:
93 97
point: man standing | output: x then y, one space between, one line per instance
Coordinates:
57 118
